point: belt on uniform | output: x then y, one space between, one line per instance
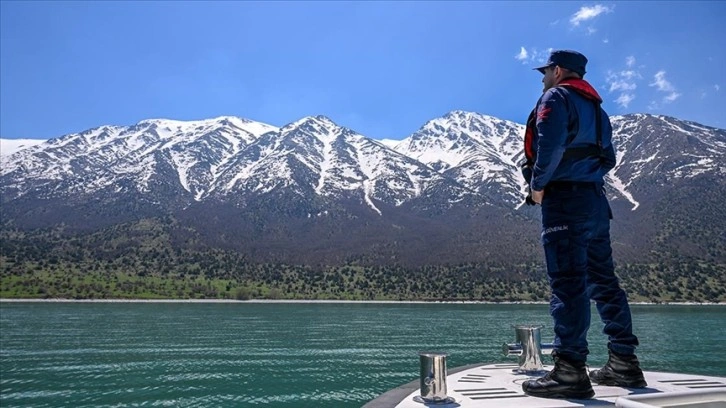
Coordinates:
572 186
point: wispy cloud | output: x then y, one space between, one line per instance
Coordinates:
663 85
588 13
522 56
624 83
672 97
619 82
532 55
706 92
624 99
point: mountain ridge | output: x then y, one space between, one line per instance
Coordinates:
449 192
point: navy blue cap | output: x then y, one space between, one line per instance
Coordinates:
567 59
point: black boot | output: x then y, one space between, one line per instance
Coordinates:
567 380
621 371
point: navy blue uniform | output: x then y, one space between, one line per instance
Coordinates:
576 218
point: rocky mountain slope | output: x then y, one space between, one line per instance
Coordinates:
315 192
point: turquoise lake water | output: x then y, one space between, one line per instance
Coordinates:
66 354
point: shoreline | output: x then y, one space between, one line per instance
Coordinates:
292 301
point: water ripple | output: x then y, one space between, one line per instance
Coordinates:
281 355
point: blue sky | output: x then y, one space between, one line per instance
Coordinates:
380 68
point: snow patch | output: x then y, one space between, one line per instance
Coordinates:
367 192
620 186
389 143
10 146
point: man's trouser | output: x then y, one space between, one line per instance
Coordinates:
576 238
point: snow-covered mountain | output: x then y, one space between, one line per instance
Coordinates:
662 149
478 151
10 146
448 192
463 153
90 161
219 159
314 156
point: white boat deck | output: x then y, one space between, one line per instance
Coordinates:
500 386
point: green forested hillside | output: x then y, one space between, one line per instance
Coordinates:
143 261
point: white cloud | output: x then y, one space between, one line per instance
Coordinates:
621 84
630 74
532 55
717 88
522 56
605 40
624 83
591 30
588 13
663 85
672 97
624 99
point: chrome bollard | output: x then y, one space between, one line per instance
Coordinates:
433 378
528 347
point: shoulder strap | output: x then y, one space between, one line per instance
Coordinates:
598 123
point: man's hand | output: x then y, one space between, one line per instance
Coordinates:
537 196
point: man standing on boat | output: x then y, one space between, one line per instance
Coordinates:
568 151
